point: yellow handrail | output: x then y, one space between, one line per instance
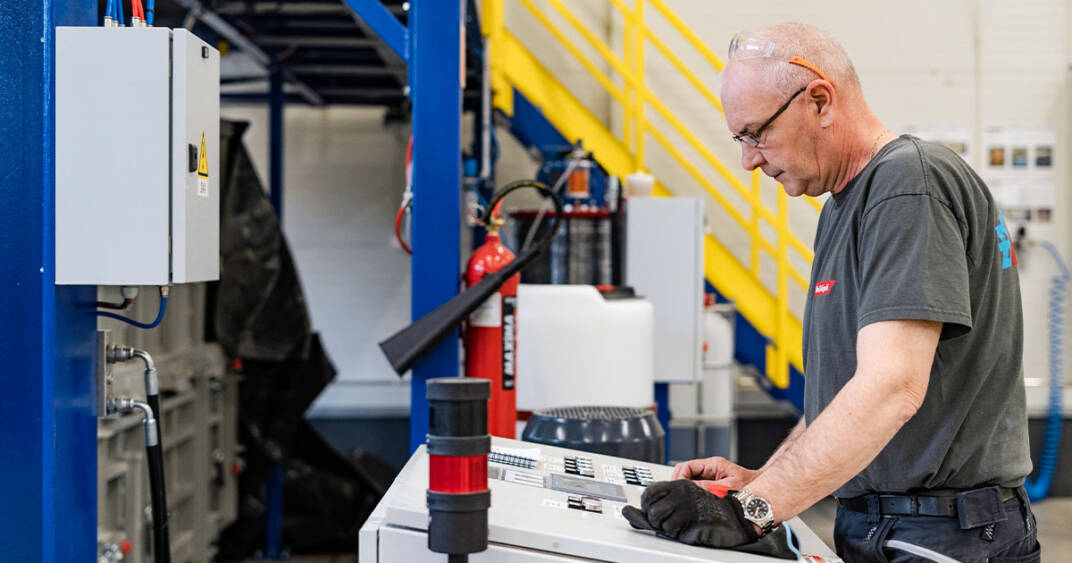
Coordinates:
660 108
634 96
687 33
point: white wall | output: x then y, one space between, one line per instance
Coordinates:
344 173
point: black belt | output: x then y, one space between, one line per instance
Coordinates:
919 504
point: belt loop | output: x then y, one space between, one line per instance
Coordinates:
874 511
1025 506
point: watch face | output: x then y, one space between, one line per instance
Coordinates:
757 509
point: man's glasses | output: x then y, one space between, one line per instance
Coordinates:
753 138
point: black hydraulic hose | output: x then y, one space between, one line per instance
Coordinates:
158 488
410 344
161 543
157 483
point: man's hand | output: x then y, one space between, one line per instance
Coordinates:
718 470
682 511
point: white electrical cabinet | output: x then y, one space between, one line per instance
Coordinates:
664 264
137 157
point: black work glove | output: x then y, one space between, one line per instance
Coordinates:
683 511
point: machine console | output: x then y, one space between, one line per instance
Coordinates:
547 504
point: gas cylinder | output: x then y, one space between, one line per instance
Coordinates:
491 335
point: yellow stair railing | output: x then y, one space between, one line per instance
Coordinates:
513 66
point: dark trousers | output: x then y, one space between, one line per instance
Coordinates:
869 536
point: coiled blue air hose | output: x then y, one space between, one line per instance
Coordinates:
1039 487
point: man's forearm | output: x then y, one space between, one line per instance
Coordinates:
894 360
794 434
840 443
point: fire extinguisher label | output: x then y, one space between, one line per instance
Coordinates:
509 305
489 314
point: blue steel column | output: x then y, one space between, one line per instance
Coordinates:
435 86
49 483
276 102
273 489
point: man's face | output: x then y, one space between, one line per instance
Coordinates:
787 145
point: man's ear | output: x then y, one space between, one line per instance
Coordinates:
821 99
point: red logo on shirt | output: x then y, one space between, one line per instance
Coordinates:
824 287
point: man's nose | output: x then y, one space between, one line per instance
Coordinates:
751 157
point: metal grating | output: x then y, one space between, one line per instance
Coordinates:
592 413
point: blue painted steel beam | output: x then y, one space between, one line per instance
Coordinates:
273 544
47 342
385 24
276 103
531 127
435 70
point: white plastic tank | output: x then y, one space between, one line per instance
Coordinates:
575 347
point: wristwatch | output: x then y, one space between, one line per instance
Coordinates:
757 510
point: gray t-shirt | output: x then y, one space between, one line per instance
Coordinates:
917 235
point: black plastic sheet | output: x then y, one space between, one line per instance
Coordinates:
258 313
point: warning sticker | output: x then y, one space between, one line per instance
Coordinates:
489 313
202 168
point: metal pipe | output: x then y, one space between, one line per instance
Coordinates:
120 404
118 353
485 115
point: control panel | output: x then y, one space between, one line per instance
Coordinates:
547 504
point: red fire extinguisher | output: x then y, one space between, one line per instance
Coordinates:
491 334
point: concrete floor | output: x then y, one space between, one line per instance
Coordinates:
1054 516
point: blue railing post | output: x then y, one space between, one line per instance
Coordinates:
435 75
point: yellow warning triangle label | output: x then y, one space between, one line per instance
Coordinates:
202 160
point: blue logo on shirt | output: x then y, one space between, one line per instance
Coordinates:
1008 253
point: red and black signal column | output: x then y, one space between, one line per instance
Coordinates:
458 447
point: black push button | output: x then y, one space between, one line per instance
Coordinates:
192 161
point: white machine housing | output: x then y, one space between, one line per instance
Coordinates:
534 519
137 157
576 348
664 264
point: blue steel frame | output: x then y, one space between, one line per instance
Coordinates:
276 103
47 347
436 93
384 23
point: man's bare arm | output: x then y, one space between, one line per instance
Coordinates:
893 369
794 434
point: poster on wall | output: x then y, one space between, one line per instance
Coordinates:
1019 167
958 139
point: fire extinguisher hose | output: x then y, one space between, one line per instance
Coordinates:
521 184
410 344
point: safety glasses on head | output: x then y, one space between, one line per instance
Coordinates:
744 47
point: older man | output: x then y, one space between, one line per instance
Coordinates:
914 400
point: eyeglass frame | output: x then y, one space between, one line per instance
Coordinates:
752 139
